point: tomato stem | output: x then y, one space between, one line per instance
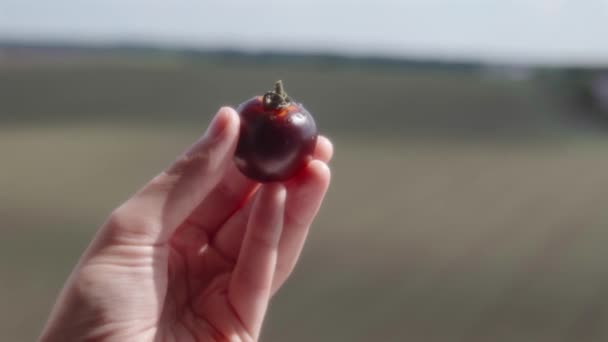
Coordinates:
278 88
277 98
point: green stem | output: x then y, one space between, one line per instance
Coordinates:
278 88
277 98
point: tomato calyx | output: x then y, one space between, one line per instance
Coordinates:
276 99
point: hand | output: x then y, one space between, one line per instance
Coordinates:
196 254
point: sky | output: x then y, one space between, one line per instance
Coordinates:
553 31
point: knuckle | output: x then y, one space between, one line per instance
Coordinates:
251 281
162 182
227 193
117 218
295 221
266 241
199 158
126 223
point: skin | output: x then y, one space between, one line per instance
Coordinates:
196 254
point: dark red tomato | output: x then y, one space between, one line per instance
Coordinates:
277 137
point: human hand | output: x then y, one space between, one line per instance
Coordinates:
196 254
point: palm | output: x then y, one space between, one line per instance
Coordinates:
196 306
178 293
178 296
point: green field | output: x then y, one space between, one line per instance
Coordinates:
462 208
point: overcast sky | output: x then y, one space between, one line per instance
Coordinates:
536 30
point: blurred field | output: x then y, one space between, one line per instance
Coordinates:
462 208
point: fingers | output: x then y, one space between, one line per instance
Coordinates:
228 239
304 197
231 193
153 213
251 282
324 150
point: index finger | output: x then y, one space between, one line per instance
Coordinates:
153 213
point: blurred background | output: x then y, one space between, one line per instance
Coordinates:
470 179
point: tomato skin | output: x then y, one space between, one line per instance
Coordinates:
275 142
